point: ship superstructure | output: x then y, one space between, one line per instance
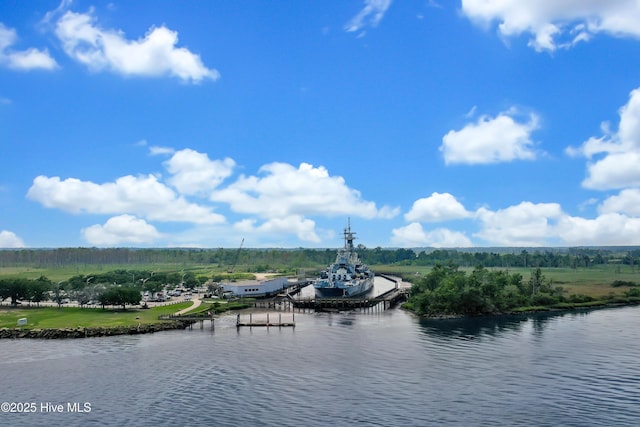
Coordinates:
347 276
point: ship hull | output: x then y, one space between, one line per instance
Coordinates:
347 291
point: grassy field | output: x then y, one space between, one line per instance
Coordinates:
72 317
64 273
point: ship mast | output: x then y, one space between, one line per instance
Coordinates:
348 237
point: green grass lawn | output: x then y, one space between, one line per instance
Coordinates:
74 317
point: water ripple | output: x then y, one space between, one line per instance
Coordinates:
343 369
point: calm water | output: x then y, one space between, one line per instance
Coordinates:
380 369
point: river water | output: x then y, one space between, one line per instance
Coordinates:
376 368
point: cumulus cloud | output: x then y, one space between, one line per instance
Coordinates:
618 153
9 240
194 173
413 235
24 60
121 229
626 202
283 191
557 24
525 224
437 208
302 227
281 200
156 54
491 140
606 229
370 15
142 196
545 224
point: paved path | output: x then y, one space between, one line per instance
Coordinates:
196 303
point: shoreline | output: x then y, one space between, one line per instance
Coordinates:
101 331
547 310
93 331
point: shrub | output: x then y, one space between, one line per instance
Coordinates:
619 283
634 292
579 298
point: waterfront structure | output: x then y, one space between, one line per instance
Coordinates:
257 288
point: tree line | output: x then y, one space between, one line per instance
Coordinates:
42 289
118 287
259 260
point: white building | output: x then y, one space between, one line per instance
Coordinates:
257 288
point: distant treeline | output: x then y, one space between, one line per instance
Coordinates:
567 258
266 259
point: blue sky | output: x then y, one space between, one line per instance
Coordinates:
466 123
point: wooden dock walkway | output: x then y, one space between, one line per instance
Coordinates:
193 318
266 323
381 302
253 321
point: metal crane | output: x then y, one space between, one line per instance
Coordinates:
235 261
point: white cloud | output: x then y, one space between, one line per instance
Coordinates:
303 228
284 191
438 207
545 224
155 54
9 239
280 201
621 150
24 60
491 140
526 224
472 112
413 235
193 172
626 202
557 24
370 15
154 150
614 171
606 229
121 229
142 196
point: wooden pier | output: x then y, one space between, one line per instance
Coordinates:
253 320
266 323
192 318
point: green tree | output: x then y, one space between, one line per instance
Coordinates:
16 289
38 290
120 295
189 280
